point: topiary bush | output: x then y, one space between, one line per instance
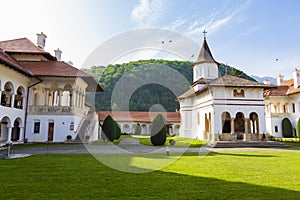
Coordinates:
109 129
118 130
137 129
287 128
158 130
298 129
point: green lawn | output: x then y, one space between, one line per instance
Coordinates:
247 175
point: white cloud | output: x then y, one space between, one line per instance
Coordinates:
146 12
214 22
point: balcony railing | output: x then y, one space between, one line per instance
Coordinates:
279 115
50 110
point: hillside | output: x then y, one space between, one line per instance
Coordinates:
147 95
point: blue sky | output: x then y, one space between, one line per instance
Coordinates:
247 34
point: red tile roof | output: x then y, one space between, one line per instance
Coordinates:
53 68
11 62
277 91
23 45
287 88
60 69
123 116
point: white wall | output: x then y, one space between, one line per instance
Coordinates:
61 127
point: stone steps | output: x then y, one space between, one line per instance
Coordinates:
249 144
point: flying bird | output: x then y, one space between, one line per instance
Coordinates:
277 59
162 42
170 41
192 55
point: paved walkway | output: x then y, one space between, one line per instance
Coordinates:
127 145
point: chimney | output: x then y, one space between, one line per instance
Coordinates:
296 77
41 40
58 54
280 80
267 82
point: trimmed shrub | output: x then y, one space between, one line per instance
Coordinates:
137 129
118 130
287 128
158 130
298 129
109 128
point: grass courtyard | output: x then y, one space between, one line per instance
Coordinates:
243 175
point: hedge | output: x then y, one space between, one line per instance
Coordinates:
109 129
158 130
287 128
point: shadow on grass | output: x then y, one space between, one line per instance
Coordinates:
82 177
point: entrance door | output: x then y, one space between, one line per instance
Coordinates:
15 132
50 131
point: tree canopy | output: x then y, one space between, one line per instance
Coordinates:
147 95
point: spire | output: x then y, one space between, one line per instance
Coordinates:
205 54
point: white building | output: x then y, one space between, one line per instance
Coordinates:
228 106
283 101
129 120
43 98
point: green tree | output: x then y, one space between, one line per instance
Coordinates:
118 130
109 129
147 95
236 72
298 128
287 128
158 130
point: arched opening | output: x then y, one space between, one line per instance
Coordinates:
226 127
36 100
6 96
53 95
19 98
206 128
144 129
239 125
15 134
254 128
4 126
67 97
176 129
126 129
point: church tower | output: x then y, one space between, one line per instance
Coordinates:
205 66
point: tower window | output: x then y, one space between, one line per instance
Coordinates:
237 93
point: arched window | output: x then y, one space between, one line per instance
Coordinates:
240 93
254 122
6 96
19 98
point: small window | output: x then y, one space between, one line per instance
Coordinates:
276 129
293 108
237 93
36 127
284 108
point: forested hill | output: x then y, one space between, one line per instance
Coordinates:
148 95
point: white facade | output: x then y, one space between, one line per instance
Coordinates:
13 95
230 107
42 99
282 102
